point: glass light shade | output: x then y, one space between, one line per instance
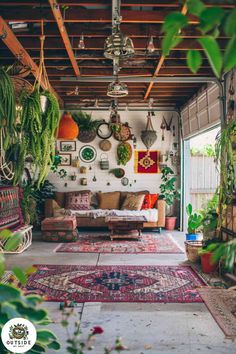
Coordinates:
118 46
117 89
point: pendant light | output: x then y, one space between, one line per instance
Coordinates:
150 46
117 89
81 44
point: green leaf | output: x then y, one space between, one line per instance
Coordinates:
33 300
195 7
230 24
5 234
167 42
20 274
210 17
33 314
2 265
174 20
213 53
54 345
9 310
230 54
45 336
9 293
189 209
38 348
13 242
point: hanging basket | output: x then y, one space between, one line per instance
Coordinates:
149 135
104 162
86 136
21 86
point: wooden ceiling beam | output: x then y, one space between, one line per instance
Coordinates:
60 23
10 40
161 61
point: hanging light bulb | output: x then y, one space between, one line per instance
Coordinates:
150 46
81 42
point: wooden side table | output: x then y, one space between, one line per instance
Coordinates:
125 227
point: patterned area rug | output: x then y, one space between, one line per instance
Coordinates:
97 243
115 283
222 305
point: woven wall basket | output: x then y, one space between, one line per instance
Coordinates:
86 136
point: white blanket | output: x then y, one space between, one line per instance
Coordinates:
150 214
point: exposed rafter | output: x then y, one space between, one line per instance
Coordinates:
60 23
10 40
161 61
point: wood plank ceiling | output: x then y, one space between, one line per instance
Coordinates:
63 26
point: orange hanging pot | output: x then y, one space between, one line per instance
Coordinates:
68 129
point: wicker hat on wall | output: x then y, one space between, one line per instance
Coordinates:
105 145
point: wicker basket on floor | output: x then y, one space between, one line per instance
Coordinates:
192 248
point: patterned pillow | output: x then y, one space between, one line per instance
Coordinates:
133 202
78 200
149 201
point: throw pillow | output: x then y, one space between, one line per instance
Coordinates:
110 200
123 195
133 202
57 210
78 200
149 201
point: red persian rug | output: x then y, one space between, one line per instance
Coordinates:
115 283
97 243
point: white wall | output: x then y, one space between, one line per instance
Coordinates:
151 182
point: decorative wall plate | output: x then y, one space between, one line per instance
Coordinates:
123 133
124 181
87 153
104 130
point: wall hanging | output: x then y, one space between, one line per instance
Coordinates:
83 181
163 127
104 130
122 132
124 181
83 169
65 159
149 135
87 153
124 153
87 126
73 177
147 162
168 124
104 162
68 129
68 145
75 162
105 145
118 172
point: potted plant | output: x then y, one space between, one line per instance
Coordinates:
169 193
195 220
208 263
87 126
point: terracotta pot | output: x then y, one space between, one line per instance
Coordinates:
206 262
68 129
170 223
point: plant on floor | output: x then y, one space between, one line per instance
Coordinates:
13 303
210 217
195 220
211 22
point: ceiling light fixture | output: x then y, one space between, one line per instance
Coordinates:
117 89
81 44
150 46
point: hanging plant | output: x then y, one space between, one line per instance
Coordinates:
87 126
124 153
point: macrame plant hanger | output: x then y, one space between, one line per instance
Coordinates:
149 135
6 169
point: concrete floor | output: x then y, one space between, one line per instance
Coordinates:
145 328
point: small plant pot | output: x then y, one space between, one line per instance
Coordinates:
194 237
207 265
192 250
170 223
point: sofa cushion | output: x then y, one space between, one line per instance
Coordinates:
110 200
123 195
60 198
133 202
149 201
79 200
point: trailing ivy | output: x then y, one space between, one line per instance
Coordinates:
7 106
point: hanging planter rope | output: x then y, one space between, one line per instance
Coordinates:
149 135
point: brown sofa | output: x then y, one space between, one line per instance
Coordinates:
60 198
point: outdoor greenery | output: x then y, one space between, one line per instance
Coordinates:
195 220
223 251
168 190
212 22
13 303
207 150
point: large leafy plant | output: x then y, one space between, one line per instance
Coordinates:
211 23
85 121
195 220
13 303
168 190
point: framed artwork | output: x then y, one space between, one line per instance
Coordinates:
68 145
147 161
87 153
65 159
